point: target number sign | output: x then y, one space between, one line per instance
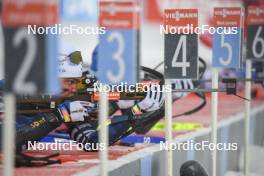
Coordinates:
181 44
119 47
30 58
255 32
227 39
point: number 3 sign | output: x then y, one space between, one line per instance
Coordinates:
118 47
227 39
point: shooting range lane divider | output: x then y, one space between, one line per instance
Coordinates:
227 49
24 57
168 130
255 52
9 134
247 118
181 61
103 132
214 109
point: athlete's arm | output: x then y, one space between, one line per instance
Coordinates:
36 126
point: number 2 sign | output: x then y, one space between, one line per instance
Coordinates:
118 47
255 37
227 39
30 59
181 44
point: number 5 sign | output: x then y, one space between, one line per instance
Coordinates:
255 37
227 39
118 47
181 44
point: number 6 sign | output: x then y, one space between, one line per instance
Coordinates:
227 39
255 37
118 47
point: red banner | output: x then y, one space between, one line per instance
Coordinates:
228 17
255 15
119 15
181 18
29 12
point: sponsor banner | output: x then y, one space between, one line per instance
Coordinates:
111 96
255 15
28 12
121 15
228 17
181 17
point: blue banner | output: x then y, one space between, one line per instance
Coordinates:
117 61
227 50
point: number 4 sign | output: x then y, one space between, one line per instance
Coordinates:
227 39
181 44
118 47
255 37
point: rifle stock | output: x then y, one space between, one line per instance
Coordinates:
47 103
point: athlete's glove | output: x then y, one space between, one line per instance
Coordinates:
154 100
75 111
181 84
85 134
